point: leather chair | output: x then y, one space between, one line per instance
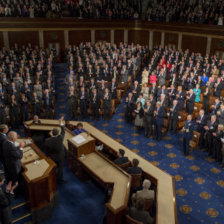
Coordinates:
194 141
136 180
130 220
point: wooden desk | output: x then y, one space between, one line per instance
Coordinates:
166 197
47 125
106 172
40 182
84 148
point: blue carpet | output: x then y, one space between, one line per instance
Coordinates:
79 202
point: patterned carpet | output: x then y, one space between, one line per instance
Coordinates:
199 181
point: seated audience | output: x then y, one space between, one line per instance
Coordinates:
145 193
121 158
134 169
137 212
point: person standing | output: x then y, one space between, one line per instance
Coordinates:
148 118
55 149
187 134
159 114
3 137
5 200
12 156
174 111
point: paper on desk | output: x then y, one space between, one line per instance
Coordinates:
79 139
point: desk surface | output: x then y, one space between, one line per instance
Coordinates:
36 169
29 155
109 173
166 198
87 137
48 125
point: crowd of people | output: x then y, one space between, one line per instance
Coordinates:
26 84
199 12
95 72
175 82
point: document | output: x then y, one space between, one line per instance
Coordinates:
79 139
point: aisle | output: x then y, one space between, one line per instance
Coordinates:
61 90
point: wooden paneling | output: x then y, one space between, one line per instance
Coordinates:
102 35
138 37
1 40
118 36
171 38
195 44
156 38
23 38
78 36
217 45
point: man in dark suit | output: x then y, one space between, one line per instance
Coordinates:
180 96
134 169
55 149
201 121
72 104
121 158
12 156
188 130
135 89
83 97
159 114
113 89
95 104
130 105
5 201
190 102
174 110
210 129
149 110
48 105
107 104
3 137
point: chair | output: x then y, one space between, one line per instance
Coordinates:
130 220
136 180
124 166
148 204
165 126
181 119
194 141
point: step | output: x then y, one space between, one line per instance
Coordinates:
22 217
20 205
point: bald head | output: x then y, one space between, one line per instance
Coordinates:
12 136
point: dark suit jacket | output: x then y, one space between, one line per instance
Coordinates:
54 146
5 210
174 114
161 114
134 170
121 160
3 138
12 156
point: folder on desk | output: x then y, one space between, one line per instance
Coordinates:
79 139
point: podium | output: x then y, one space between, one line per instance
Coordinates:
76 150
40 182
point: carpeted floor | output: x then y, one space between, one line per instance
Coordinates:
199 180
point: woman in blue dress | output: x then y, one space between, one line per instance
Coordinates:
197 92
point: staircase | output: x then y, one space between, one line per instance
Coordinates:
20 212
